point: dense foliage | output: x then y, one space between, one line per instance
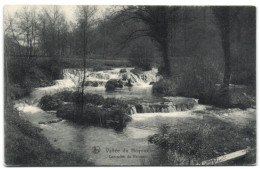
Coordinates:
209 139
151 32
108 113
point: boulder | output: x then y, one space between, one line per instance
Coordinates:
129 84
95 84
123 71
151 83
124 77
120 84
112 84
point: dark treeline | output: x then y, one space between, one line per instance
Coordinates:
218 41
176 31
46 32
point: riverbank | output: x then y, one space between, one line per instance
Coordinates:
26 146
71 137
218 132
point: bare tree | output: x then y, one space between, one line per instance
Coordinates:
103 26
54 28
85 24
156 20
26 26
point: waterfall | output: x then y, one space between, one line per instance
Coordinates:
99 78
140 81
165 107
132 110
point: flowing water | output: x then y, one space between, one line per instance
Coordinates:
105 146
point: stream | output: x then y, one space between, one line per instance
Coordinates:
106 146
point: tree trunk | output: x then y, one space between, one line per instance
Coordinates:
84 70
222 15
227 57
227 72
225 37
166 59
83 83
6 81
165 43
104 41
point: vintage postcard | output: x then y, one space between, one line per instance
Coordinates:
129 85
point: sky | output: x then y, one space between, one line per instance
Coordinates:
69 10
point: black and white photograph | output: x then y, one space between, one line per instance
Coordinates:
129 85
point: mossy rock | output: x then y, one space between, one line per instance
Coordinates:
112 84
49 102
123 71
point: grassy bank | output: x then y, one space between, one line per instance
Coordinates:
26 146
203 140
22 75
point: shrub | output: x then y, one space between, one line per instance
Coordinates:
17 71
118 118
93 99
196 80
76 97
109 113
112 102
52 68
49 102
69 111
25 74
165 87
115 117
66 96
238 97
22 77
16 91
209 139
199 82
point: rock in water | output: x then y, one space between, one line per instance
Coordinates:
112 84
129 84
123 71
